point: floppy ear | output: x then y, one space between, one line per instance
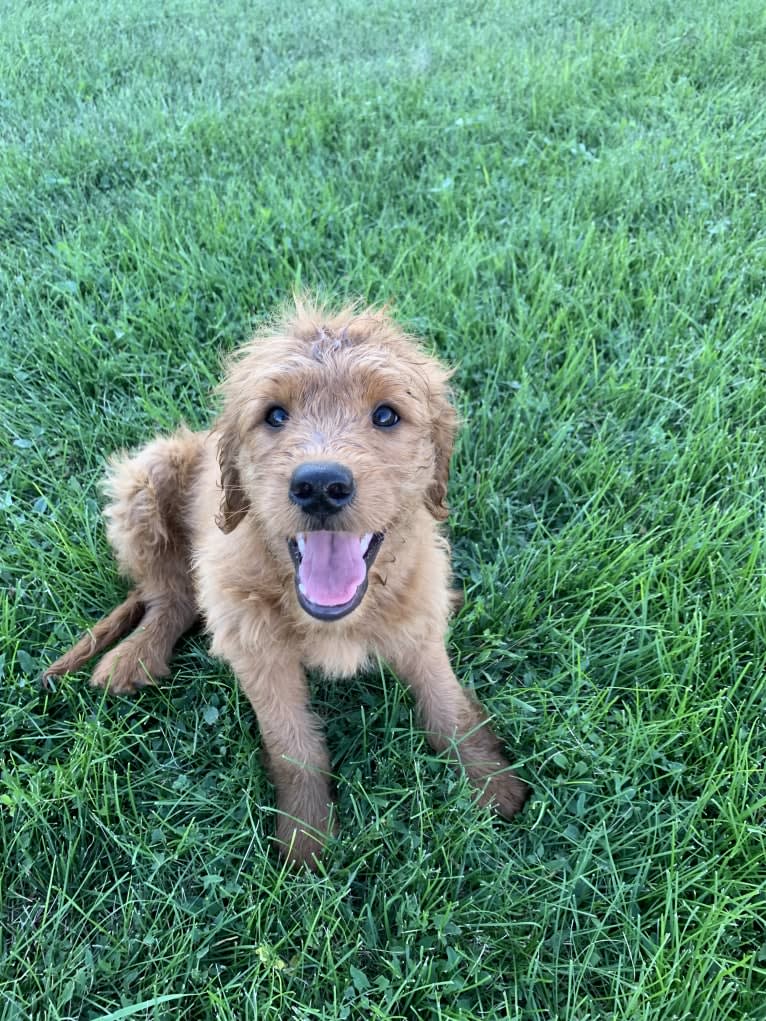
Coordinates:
444 424
234 505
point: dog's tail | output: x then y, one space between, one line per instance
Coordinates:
118 623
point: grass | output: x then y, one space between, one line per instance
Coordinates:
567 200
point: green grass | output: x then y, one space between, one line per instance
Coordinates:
568 201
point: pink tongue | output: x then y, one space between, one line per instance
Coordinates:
332 568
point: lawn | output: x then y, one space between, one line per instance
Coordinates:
567 200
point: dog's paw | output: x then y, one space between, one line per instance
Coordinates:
505 794
303 843
299 845
121 672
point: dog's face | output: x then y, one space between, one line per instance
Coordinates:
335 430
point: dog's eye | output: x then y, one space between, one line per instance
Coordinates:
276 417
384 417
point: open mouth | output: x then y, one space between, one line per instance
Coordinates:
331 570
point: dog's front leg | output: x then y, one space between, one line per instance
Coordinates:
455 722
295 750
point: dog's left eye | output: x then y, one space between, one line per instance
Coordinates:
276 417
384 417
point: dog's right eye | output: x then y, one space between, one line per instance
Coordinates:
384 417
276 417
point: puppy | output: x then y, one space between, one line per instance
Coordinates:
304 528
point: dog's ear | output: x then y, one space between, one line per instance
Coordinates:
234 505
444 423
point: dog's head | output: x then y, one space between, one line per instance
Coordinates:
334 430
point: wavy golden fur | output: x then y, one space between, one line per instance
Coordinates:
206 523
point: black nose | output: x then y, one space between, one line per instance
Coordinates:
321 488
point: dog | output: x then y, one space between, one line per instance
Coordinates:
305 529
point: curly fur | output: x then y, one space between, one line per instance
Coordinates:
199 522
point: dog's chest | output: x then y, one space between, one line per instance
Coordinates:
335 654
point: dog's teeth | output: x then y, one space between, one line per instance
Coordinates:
302 589
365 541
301 540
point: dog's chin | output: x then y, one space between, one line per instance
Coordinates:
322 594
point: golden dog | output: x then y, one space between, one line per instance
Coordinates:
305 529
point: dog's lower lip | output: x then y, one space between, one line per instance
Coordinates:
296 544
